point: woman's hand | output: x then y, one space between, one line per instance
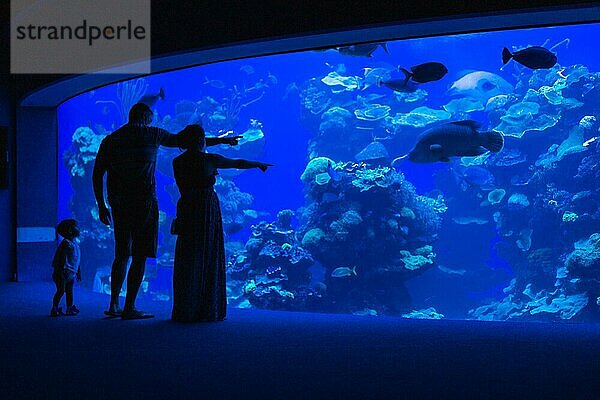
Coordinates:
264 166
232 141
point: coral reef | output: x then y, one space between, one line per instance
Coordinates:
273 269
376 223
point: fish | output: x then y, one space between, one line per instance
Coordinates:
534 57
248 69
335 175
452 271
426 72
289 89
329 197
374 75
469 220
362 50
480 85
272 78
343 272
399 85
214 83
477 176
151 99
453 139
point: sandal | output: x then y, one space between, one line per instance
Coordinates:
114 313
135 314
56 312
73 310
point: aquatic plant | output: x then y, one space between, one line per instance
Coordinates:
571 145
569 216
427 313
374 152
463 105
372 112
234 205
411 97
585 257
313 238
496 196
566 306
315 167
380 177
339 83
419 117
518 201
129 93
313 98
83 150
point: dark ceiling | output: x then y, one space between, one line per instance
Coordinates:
190 25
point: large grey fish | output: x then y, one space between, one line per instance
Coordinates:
453 139
362 50
426 72
534 57
151 99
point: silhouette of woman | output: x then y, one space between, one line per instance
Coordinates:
199 292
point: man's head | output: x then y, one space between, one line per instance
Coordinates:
191 137
140 113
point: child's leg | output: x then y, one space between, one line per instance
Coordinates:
57 296
69 291
60 290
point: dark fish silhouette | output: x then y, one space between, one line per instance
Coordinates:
426 72
399 85
459 138
151 99
535 57
362 50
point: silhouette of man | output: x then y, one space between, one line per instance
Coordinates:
128 158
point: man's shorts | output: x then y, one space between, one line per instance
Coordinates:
136 228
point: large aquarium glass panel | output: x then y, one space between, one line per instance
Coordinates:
442 177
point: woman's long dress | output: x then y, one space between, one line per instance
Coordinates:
199 291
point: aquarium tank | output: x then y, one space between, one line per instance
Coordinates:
384 198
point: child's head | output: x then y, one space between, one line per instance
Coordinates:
68 228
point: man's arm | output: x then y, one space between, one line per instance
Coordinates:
100 167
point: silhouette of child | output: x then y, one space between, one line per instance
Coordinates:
66 267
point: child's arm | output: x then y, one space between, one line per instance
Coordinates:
59 256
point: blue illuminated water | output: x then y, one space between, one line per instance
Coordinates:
478 261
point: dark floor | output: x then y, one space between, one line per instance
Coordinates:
280 355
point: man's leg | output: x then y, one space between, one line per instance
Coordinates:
134 281
117 277
143 245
